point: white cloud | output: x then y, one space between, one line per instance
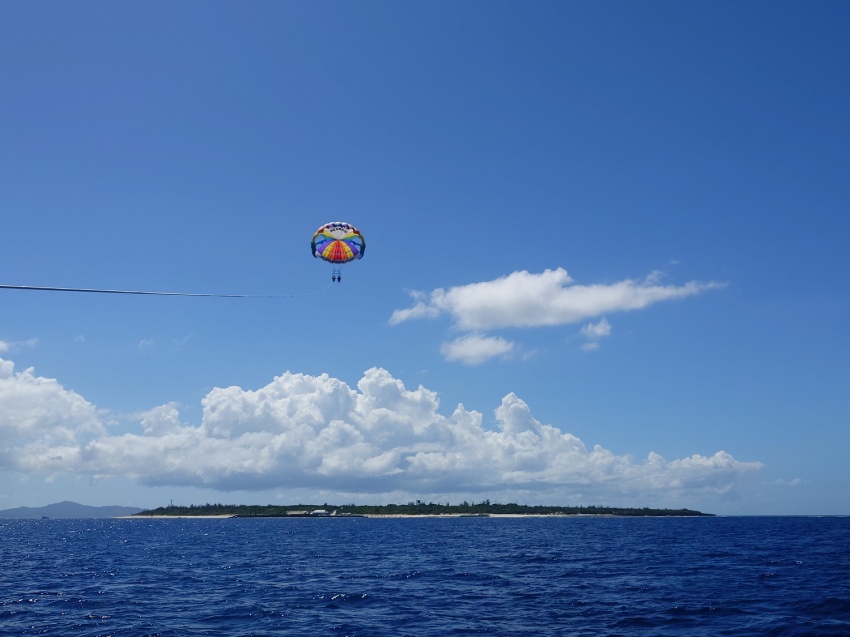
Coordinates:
41 422
473 349
160 420
420 309
6 346
316 432
523 299
595 331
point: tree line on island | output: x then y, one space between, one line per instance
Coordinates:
418 507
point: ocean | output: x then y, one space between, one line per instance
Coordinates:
564 576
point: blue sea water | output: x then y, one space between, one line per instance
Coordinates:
426 577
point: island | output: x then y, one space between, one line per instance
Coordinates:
411 509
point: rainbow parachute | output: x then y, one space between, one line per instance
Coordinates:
338 243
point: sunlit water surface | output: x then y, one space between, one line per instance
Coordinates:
426 577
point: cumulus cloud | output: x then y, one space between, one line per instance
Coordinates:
42 423
316 432
595 331
420 309
526 300
523 299
475 348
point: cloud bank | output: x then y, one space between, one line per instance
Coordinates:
316 432
526 300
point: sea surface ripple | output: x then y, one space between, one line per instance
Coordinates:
565 576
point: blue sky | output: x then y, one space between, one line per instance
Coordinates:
606 253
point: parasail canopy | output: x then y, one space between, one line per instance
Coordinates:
338 242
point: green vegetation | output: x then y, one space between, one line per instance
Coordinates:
411 508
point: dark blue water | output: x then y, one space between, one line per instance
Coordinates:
426 577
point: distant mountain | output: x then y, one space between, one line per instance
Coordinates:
67 510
